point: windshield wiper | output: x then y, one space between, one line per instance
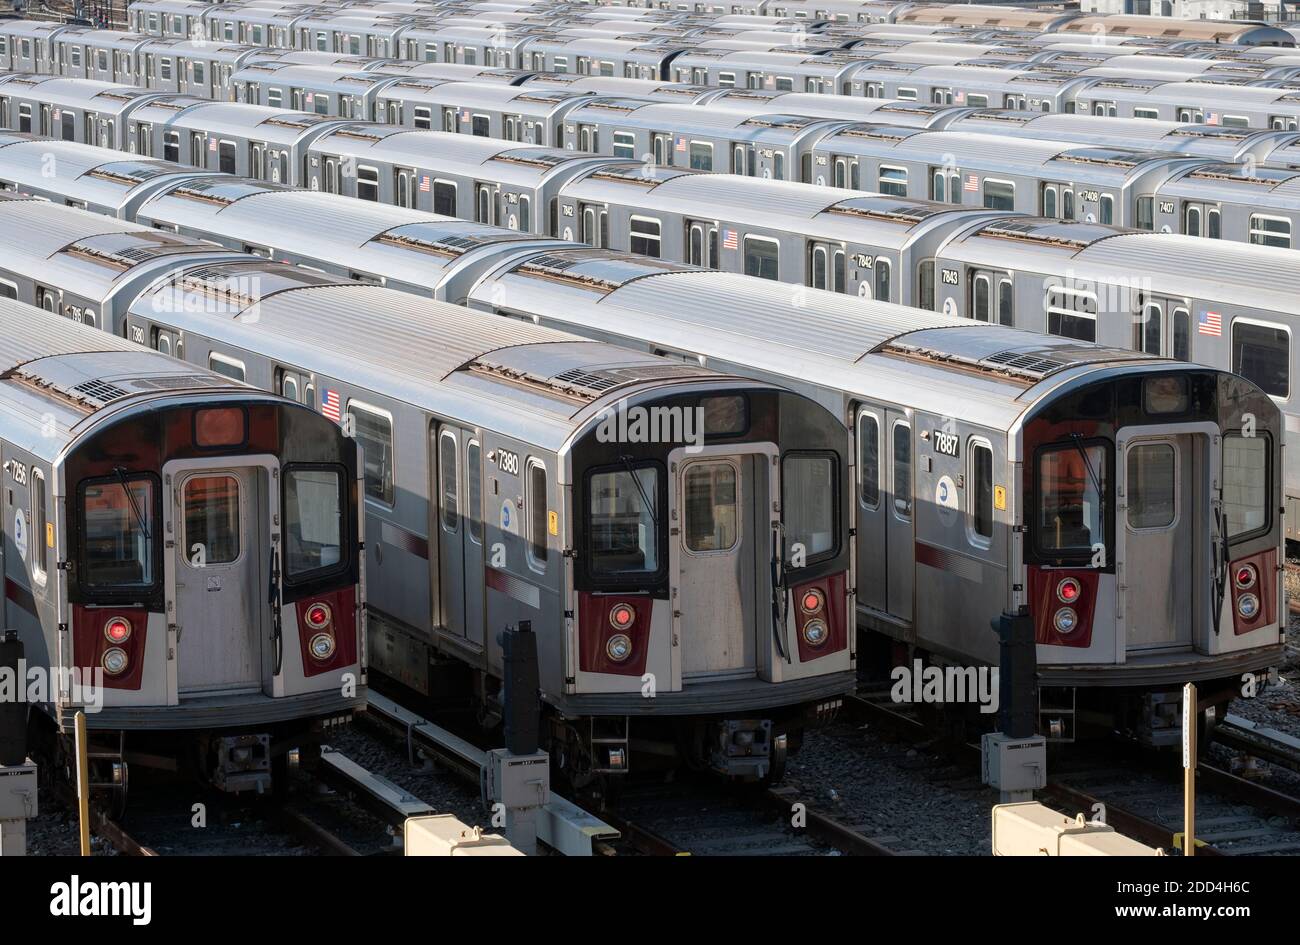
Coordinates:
130 497
645 497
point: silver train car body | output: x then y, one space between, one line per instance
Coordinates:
494 491
170 645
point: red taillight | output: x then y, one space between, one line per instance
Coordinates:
621 616
318 616
1068 591
1245 576
812 601
117 630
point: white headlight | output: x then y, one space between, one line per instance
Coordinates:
619 647
1065 620
321 646
1248 606
114 661
815 633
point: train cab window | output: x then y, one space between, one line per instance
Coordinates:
1246 483
622 520
1145 215
883 279
762 257
1270 231
981 496
211 518
474 490
808 503
41 536
449 481
999 195
228 367
118 532
868 461
711 507
313 520
645 236
902 469
1073 489
701 154
925 285
1152 485
1107 210
1261 354
373 429
538 514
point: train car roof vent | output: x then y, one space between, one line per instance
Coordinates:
100 392
1026 364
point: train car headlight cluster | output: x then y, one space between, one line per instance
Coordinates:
114 661
619 646
1248 606
815 632
322 646
1245 576
117 630
1068 591
1065 620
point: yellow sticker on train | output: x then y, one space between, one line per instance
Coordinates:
553 522
1000 498
49 534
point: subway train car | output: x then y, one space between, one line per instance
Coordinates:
150 505
1130 504
679 538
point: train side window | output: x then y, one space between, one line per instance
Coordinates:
172 146
226 157
444 197
367 183
624 144
1107 208
1182 334
1213 224
474 490
868 461
8 290
288 383
1072 314
645 236
981 495
538 514
839 274
762 257
701 156
226 366
1270 231
423 117
448 481
526 216
40 541
893 180
999 195
901 477
1246 474
1261 354
373 429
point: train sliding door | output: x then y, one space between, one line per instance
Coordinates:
884 513
456 458
721 539
218 575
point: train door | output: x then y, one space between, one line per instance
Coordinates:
899 530
826 266
219 572
404 186
1202 219
873 562
719 516
448 525
1162 480
702 243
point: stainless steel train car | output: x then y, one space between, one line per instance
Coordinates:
670 571
1001 469
150 506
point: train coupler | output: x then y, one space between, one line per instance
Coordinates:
744 748
242 763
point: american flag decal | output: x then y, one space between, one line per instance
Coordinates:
681 144
310 97
1210 324
730 239
959 96
424 183
1212 118
329 404
212 144
464 115
972 183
